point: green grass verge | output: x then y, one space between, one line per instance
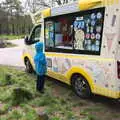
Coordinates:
11 37
59 102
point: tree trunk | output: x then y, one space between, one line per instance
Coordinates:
13 31
0 29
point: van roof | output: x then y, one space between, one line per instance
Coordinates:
71 7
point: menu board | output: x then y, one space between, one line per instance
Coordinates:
88 31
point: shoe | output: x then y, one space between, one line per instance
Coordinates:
42 91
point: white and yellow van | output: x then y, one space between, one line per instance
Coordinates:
82 45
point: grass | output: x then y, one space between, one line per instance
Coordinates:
11 37
59 102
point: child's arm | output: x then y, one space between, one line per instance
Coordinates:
43 60
44 63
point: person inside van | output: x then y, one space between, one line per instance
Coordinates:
40 66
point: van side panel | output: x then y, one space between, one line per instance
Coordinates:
99 72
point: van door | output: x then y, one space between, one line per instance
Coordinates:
35 37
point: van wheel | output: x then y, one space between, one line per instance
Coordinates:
81 86
28 66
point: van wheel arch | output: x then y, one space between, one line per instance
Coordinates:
28 65
74 79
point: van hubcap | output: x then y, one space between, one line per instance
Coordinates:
80 86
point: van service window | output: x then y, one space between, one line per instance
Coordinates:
79 33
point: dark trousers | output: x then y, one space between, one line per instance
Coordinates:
40 82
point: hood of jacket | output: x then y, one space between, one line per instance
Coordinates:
39 47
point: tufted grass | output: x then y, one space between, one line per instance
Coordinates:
59 102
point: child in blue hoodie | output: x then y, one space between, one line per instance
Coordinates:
40 66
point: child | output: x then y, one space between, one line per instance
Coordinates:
40 66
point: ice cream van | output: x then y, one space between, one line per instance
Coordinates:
81 44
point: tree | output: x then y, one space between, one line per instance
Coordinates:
13 10
12 18
35 5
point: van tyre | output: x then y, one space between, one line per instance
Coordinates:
81 86
29 67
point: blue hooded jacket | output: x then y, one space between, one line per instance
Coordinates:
40 60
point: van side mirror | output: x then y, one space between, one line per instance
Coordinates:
26 40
